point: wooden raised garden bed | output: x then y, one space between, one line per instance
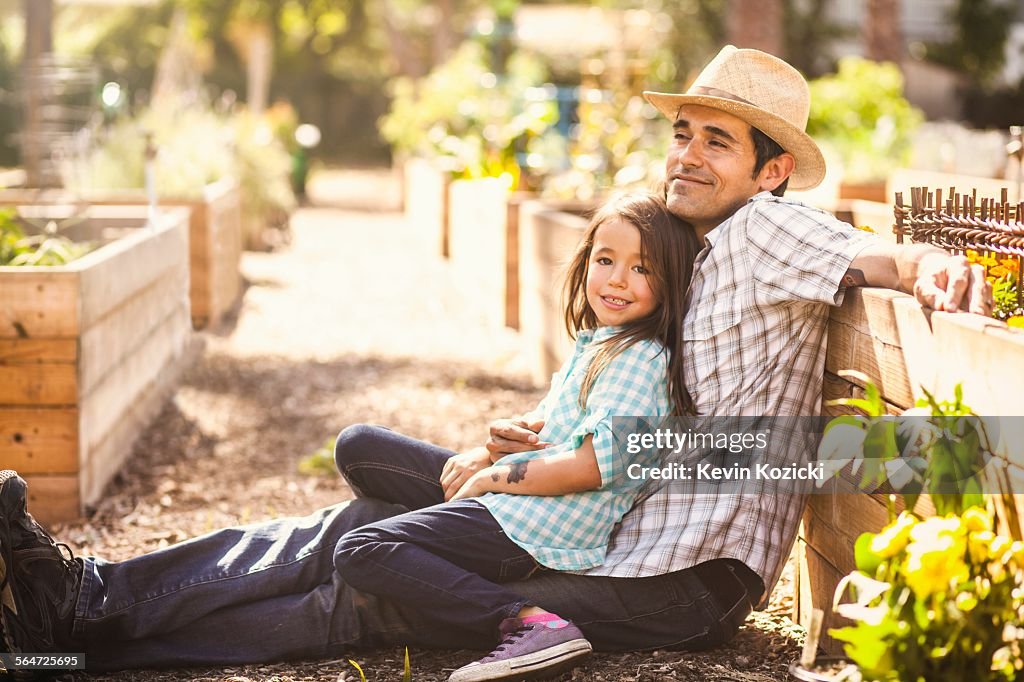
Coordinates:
89 352
548 234
215 239
901 347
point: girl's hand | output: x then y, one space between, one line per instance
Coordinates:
514 435
459 468
475 486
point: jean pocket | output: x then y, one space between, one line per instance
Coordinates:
517 568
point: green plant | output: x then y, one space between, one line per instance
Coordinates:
468 116
406 675
320 462
47 248
861 113
620 142
934 599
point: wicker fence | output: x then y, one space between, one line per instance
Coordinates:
957 222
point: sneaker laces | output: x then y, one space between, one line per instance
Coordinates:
511 637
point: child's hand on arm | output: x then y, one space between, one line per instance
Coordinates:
518 434
459 468
560 473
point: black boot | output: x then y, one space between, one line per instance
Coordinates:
39 579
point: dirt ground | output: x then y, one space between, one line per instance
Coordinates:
354 321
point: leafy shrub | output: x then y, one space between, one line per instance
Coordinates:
862 114
465 114
42 249
195 147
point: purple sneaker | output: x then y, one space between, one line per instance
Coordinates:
528 651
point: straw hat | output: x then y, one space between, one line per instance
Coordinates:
762 90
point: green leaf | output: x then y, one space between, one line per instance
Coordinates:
359 670
866 560
407 675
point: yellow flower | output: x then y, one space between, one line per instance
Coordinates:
866 228
972 255
893 537
1017 551
965 601
936 556
1016 321
932 572
998 271
979 546
1010 264
977 518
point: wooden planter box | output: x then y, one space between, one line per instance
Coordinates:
483 246
426 203
88 353
901 347
215 239
548 234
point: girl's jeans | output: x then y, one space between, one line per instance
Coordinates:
270 591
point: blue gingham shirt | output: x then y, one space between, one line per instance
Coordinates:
571 532
755 333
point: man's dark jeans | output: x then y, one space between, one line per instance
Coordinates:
270 591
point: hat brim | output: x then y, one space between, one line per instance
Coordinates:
810 164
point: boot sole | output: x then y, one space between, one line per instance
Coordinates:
539 665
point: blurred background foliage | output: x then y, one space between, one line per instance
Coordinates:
447 77
861 113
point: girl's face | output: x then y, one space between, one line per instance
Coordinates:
617 288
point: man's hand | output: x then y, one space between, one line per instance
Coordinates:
952 284
460 468
514 435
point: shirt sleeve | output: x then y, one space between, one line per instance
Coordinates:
799 253
634 384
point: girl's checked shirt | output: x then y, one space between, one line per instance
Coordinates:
571 532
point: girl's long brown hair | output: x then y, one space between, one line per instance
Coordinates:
668 247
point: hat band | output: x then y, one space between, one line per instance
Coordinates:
715 92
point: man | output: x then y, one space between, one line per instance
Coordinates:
681 572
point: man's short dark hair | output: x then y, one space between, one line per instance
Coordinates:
766 149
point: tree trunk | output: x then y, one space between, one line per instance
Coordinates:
756 24
38 46
883 39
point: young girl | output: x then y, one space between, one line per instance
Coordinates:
552 508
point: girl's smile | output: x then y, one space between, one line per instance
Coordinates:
617 288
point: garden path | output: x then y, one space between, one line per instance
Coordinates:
352 322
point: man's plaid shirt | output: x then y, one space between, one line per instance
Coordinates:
755 338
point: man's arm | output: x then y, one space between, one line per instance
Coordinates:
559 474
938 280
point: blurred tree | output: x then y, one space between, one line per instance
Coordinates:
757 24
883 39
809 36
978 47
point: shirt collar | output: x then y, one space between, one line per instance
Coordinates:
711 237
599 334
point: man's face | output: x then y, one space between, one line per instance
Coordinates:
709 169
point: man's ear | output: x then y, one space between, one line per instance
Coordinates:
775 172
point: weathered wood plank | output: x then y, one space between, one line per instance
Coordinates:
107 342
817 585
36 351
53 499
38 384
130 264
108 454
38 302
39 441
116 393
